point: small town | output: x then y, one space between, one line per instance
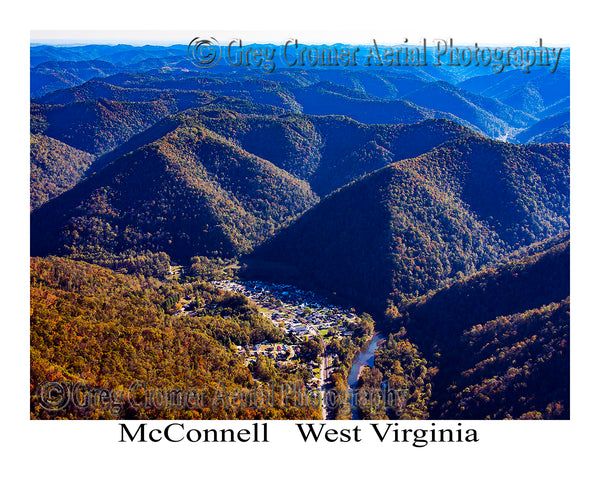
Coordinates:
302 316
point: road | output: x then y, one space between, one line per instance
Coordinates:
325 372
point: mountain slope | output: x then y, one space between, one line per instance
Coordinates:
415 224
499 339
369 239
50 76
530 93
97 329
95 126
189 193
328 152
486 114
54 168
521 192
560 134
545 127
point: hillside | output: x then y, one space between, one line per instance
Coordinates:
560 134
50 76
323 99
190 192
548 128
371 98
488 115
95 126
521 192
410 227
102 330
531 93
330 151
327 152
54 168
497 340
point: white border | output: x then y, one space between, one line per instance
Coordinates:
515 449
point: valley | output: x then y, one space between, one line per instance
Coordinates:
336 230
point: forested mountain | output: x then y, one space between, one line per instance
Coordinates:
561 134
95 126
50 76
190 192
311 149
394 191
55 167
552 129
531 93
498 341
411 226
325 99
104 330
489 116
366 97
330 151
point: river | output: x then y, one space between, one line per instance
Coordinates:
366 358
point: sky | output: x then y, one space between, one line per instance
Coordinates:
307 37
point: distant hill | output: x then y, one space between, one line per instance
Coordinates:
322 99
46 53
530 93
554 128
561 134
558 107
96 89
411 226
50 76
488 115
371 98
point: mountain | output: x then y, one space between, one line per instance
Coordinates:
554 128
557 107
326 99
191 192
329 151
47 53
487 115
498 339
50 76
366 97
521 192
561 134
54 168
96 89
95 126
530 93
413 225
